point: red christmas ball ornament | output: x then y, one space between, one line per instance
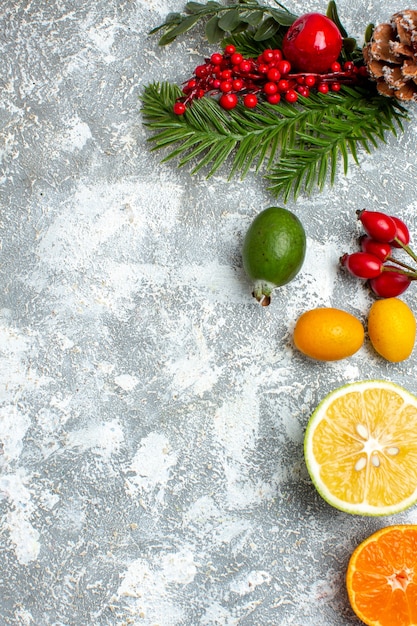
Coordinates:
312 43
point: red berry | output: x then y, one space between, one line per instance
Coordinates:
362 264
238 84
273 74
284 67
236 58
190 84
228 101
226 86
226 74
390 283
323 88
268 55
283 85
250 100
310 81
312 43
270 88
335 67
201 71
230 49
274 99
378 225
335 86
291 96
263 68
277 55
303 91
348 66
216 58
216 83
179 108
245 66
403 234
377 248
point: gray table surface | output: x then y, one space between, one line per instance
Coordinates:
152 413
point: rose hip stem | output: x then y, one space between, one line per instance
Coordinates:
411 275
398 262
407 249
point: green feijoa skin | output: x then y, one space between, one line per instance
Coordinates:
273 251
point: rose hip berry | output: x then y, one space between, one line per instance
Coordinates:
378 225
387 275
362 265
402 234
380 249
389 284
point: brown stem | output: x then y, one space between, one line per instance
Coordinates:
398 262
410 275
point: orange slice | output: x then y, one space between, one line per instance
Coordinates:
381 577
361 448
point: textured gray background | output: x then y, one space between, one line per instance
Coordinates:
152 414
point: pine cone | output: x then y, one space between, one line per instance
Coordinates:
391 56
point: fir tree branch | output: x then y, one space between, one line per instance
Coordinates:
354 120
296 147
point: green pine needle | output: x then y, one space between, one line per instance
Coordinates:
296 147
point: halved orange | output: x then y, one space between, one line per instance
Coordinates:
381 577
361 448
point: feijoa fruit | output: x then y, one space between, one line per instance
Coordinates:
273 251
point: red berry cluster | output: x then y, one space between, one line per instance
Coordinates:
269 76
387 276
